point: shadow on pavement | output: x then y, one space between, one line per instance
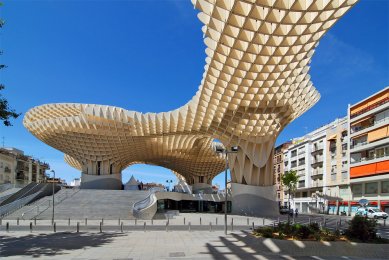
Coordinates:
245 246
52 244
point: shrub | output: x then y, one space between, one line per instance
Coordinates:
362 228
303 232
265 232
314 227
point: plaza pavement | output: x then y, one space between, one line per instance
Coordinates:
175 242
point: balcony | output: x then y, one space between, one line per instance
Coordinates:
367 159
317 161
317 149
7 170
317 173
368 108
352 146
317 183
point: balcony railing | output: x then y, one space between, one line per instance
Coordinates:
356 129
371 107
365 159
358 144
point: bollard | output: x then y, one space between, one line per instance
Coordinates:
69 222
1 222
144 227
135 222
78 227
119 222
232 224
263 221
101 227
248 221
102 221
152 221
340 221
189 226
200 221
210 226
384 222
167 223
17 221
55 227
86 221
30 227
325 222
253 225
7 226
216 221
34 221
184 221
274 225
121 227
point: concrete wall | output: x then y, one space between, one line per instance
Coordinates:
103 182
254 200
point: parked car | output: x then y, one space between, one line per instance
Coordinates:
285 210
371 213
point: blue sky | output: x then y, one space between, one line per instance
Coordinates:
149 56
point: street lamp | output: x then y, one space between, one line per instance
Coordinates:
222 150
52 219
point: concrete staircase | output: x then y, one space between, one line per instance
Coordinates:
96 204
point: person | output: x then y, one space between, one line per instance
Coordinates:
296 212
141 185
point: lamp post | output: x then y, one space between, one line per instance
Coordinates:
52 219
222 150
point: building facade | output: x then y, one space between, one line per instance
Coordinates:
369 149
319 160
279 169
19 169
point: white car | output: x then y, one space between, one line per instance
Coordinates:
372 213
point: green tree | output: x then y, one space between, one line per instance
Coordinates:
6 113
290 179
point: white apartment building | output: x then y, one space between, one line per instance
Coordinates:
310 157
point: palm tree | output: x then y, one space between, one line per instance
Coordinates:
290 179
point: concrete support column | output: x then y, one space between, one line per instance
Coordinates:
29 171
38 170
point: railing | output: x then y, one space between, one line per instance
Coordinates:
145 203
356 129
41 207
17 204
365 159
371 107
358 144
7 186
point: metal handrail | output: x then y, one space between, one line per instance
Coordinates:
58 199
17 204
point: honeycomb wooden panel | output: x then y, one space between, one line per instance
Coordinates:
255 82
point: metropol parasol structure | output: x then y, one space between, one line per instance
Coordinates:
255 82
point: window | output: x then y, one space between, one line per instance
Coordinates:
305 194
356 189
293 164
385 187
301 184
301 161
294 153
371 188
